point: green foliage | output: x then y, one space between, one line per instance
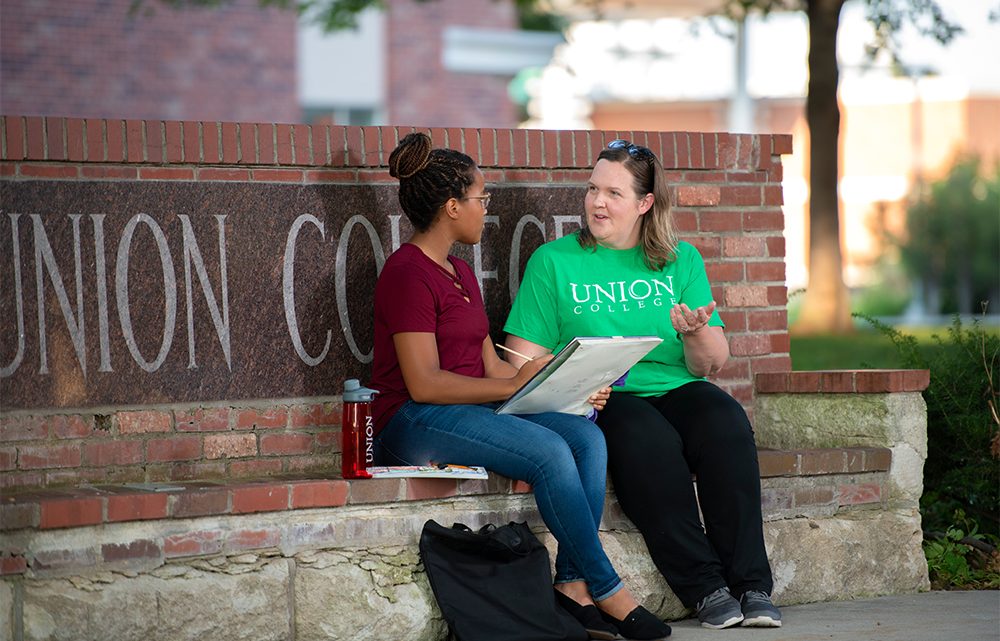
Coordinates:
952 242
961 471
953 562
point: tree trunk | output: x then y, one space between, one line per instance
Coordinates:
825 307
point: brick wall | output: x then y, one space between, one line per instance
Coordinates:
728 203
420 90
92 59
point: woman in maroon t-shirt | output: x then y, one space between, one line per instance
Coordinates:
439 379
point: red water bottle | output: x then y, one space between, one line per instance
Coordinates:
357 431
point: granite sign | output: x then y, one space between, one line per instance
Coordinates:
117 293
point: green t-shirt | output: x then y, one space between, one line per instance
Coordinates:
570 291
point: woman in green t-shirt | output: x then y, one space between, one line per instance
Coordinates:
625 273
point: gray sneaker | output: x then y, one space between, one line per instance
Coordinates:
719 610
758 611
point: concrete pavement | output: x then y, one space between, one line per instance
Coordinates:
929 616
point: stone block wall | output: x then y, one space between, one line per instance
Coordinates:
182 300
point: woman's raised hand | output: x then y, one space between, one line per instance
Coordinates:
687 321
529 369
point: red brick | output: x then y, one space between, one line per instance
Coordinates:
745 296
143 422
173 449
701 176
319 494
355 147
277 175
24 428
697 196
330 176
526 176
75 149
743 246
697 150
750 345
132 551
533 145
230 144
106 453
737 369
49 171
375 176
772 382
837 382
45 561
804 382
781 343
247 143
22 479
135 507
45 456
709 247
134 146
776 247
35 132
775 499
14 516
315 415
878 381
174 151
271 418
820 462
777 295
773 196
271 444
915 380
735 319
813 496
389 137
376 491
211 142
14 133
194 470
70 426
520 487
777 463
8 458
283 147
767 320
154 141
550 148
70 512
420 489
724 272
781 144
8 169
199 503
773 363
316 466
252 539
266 154
166 173
232 175
13 565
197 543
860 494
685 221
764 220
741 195
855 460
878 459
320 144
301 138
260 498
565 146
255 468
683 146
191 133
720 221
126 173
114 149
230 445
773 271
213 419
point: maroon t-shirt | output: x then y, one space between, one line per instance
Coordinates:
415 294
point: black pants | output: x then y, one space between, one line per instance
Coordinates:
654 445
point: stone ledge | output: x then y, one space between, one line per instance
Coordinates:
849 381
93 505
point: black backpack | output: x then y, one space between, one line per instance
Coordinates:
494 584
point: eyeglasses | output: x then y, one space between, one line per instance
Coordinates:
636 151
485 198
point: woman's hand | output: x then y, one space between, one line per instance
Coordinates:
687 321
529 369
600 398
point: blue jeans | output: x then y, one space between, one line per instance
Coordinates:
563 457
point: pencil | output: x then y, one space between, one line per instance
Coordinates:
514 352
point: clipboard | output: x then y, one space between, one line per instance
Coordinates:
585 365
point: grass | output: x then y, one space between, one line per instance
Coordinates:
865 349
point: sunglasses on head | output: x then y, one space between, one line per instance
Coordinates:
636 151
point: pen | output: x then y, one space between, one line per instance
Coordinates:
514 352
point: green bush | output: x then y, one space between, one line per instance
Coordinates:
961 557
961 471
952 243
